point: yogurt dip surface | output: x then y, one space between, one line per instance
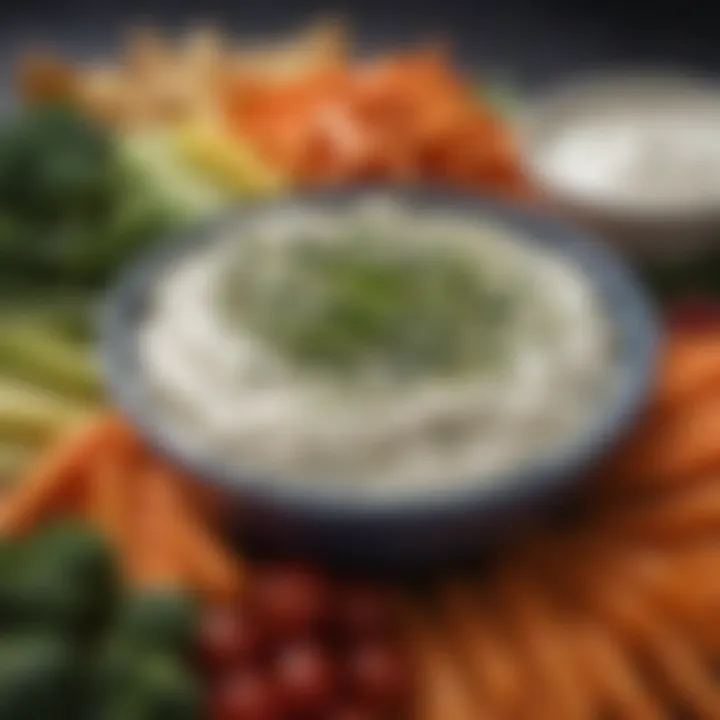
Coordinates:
377 346
648 144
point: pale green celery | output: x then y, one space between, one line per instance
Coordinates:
44 359
154 155
31 416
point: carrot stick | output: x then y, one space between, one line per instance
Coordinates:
107 502
691 366
608 668
691 514
683 445
59 469
488 659
442 691
157 557
551 669
627 611
207 565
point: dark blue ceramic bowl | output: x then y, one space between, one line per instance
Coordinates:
409 529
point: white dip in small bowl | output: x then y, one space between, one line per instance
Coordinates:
637 154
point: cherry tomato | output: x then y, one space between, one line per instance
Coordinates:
246 695
229 636
377 672
305 677
291 600
353 712
364 611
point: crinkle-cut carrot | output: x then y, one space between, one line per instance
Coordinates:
682 445
691 366
608 668
442 689
56 476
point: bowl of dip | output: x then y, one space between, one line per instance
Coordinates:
379 377
636 154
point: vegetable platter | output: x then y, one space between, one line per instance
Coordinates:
122 600
100 161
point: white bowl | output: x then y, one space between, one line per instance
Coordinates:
648 230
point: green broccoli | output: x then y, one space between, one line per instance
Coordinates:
38 678
62 579
137 684
71 210
160 620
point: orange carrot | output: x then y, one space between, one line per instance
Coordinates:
691 367
156 560
209 567
686 514
608 668
485 654
443 692
107 505
47 485
680 446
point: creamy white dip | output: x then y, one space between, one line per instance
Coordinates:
658 153
241 399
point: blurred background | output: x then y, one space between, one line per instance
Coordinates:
536 40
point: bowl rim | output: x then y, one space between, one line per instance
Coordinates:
628 306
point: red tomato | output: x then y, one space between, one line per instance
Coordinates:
364 611
229 636
306 677
354 712
246 695
291 600
378 673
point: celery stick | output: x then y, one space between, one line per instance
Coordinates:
35 354
29 415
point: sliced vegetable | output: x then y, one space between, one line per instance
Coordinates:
228 160
32 353
29 415
38 677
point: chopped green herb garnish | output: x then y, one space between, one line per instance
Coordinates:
366 302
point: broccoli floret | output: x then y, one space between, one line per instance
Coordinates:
137 684
38 678
63 578
71 209
160 620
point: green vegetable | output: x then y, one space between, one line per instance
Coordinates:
30 415
61 579
155 156
135 684
31 352
71 210
367 301
38 678
159 620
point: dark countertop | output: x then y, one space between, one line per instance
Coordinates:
535 40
